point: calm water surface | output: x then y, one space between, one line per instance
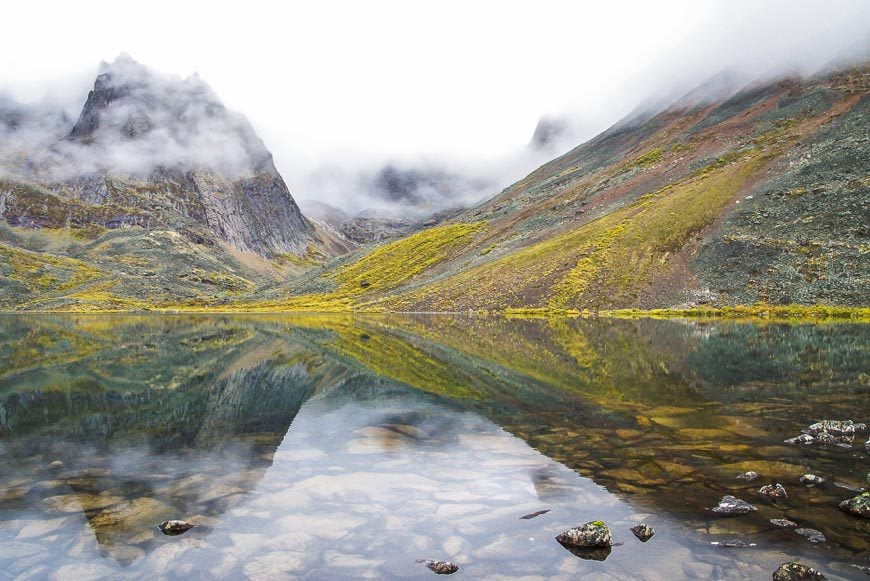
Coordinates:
332 447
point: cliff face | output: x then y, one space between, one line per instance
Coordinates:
163 153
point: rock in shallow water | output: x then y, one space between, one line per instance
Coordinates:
440 567
751 475
733 544
858 505
796 572
774 491
812 535
174 527
593 534
802 439
836 428
812 480
643 531
731 506
535 514
783 522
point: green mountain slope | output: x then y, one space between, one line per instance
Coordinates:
760 198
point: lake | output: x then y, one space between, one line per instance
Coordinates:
351 446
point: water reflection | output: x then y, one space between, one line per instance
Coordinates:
339 447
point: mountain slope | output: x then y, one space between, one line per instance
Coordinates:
157 191
761 197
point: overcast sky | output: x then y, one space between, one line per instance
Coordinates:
324 79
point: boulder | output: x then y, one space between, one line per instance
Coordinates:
774 491
811 480
796 572
731 506
174 527
643 531
440 567
858 505
593 534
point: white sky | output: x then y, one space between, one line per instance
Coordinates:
383 78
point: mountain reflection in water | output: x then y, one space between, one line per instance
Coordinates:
352 446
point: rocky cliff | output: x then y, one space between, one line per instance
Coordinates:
161 153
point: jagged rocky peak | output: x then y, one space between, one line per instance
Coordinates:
160 152
145 119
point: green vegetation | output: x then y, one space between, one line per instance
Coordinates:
649 158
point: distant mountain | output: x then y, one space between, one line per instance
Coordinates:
737 193
364 227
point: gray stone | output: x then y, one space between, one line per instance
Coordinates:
731 506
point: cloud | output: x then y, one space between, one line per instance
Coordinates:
134 121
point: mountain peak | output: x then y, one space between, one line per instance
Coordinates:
143 119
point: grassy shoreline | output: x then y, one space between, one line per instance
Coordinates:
770 313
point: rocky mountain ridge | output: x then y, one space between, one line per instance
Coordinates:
161 153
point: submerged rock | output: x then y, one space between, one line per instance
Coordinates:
858 505
532 515
751 475
174 527
593 534
774 491
805 439
867 446
849 487
812 480
733 544
731 506
796 572
783 522
440 567
812 535
643 531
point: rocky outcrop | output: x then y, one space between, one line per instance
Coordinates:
163 153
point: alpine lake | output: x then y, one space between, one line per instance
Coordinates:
338 447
